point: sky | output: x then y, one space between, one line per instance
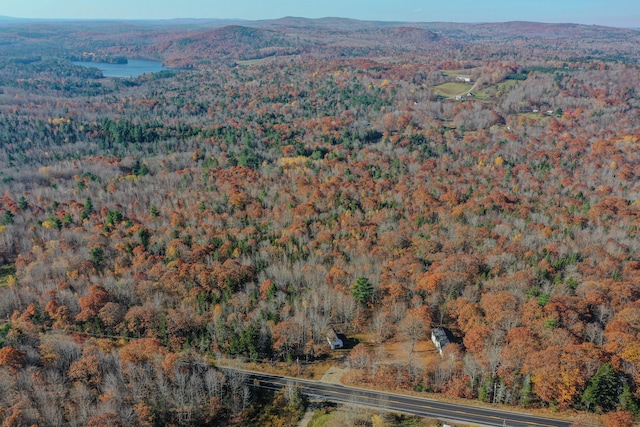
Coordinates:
617 13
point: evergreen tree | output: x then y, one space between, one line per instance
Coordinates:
22 203
602 391
145 237
628 401
97 256
88 208
113 217
362 290
525 392
7 217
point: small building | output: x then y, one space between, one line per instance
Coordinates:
464 79
334 340
440 338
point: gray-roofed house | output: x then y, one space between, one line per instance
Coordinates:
440 338
334 340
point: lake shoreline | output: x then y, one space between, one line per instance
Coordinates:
133 68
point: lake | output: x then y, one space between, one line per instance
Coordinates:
133 68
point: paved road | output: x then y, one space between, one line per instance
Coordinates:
471 415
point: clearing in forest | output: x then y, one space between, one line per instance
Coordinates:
496 91
452 89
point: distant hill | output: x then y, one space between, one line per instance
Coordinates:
398 38
195 43
290 36
230 42
12 19
409 36
537 30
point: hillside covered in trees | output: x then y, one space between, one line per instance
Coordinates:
298 175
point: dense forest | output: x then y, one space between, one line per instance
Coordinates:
296 176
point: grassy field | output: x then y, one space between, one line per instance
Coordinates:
494 91
349 415
452 89
481 96
247 62
256 61
507 85
531 115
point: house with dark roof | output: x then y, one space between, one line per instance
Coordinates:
334 340
440 338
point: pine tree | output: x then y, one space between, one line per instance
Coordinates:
602 390
88 208
7 217
362 290
628 401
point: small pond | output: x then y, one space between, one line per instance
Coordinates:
133 68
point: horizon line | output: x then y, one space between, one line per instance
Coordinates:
18 18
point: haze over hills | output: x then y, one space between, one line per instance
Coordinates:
193 43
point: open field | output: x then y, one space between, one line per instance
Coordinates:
247 62
497 90
330 416
535 116
452 89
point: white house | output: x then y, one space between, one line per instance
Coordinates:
440 338
334 340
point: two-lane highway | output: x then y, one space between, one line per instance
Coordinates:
392 402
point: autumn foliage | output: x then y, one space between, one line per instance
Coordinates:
151 227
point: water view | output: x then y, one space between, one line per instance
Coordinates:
133 68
